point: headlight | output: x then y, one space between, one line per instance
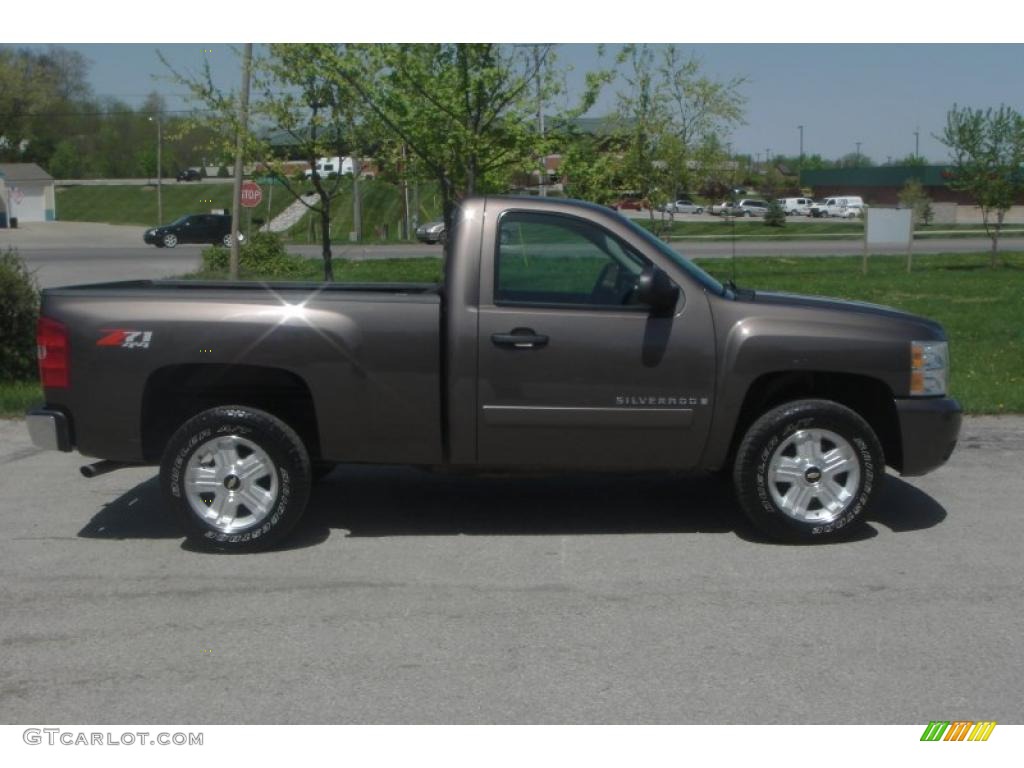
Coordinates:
929 367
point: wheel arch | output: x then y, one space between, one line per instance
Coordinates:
174 394
870 398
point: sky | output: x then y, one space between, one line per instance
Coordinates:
842 92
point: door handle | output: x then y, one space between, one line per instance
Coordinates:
520 338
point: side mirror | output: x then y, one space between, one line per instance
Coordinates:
655 289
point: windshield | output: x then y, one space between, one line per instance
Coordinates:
179 220
678 259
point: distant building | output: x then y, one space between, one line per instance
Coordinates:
881 185
26 194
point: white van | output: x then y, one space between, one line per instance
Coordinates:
848 207
796 206
331 166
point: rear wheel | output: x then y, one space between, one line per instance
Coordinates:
238 477
808 470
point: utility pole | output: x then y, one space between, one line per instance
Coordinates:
243 124
406 224
159 167
856 159
537 61
917 141
357 203
801 129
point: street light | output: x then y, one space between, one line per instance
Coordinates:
159 167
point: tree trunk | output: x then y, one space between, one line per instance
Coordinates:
447 204
325 228
994 260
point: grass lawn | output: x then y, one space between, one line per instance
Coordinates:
133 204
17 396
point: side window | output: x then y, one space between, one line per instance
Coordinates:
558 260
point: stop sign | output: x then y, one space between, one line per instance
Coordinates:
252 194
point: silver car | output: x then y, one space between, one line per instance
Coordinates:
431 232
683 206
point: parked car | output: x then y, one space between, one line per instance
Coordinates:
631 204
205 228
189 174
432 232
683 205
843 207
723 208
751 208
796 206
524 358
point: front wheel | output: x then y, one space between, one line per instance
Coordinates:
170 241
808 470
238 477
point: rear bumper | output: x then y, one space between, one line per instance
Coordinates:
49 429
929 429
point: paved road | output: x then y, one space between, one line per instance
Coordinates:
66 253
407 597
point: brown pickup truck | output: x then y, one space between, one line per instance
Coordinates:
562 338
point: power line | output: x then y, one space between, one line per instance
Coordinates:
114 113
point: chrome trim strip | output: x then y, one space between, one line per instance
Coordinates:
571 416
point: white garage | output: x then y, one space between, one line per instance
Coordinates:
26 194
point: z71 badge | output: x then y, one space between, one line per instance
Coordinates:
125 339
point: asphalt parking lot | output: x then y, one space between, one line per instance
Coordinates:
407 597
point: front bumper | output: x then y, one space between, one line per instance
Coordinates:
49 429
929 428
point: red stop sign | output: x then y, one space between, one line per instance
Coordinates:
252 194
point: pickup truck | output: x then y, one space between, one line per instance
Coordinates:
563 337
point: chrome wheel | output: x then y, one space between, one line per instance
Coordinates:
231 483
813 475
170 240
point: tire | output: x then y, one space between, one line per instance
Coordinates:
170 240
782 478
226 240
205 463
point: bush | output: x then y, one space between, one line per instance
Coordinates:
264 255
914 197
776 217
19 310
222 172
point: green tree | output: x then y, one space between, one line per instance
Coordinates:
465 112
297 99
987 149
322 118
700 111
776 216
40 92
66 161
913 196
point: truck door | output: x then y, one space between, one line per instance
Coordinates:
573 370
